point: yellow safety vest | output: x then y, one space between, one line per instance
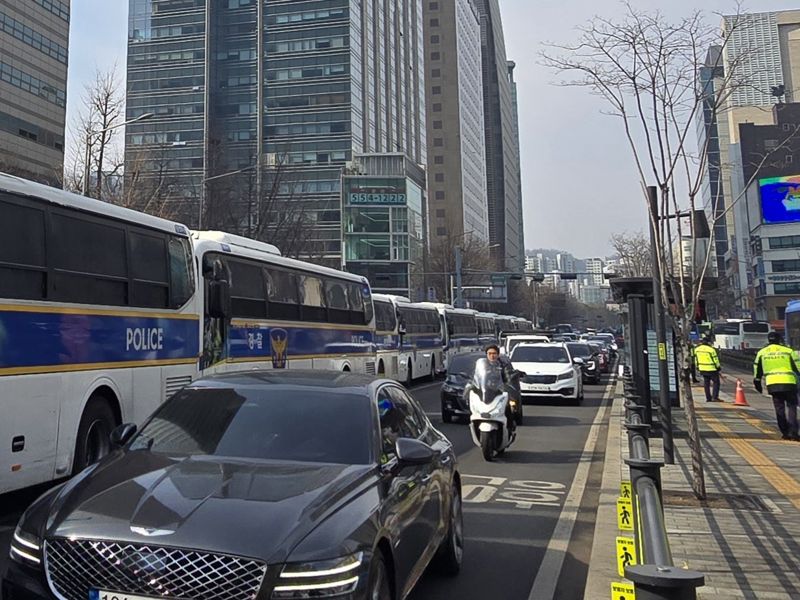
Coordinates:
776 365
706 358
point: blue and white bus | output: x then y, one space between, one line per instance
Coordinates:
414 343
105 312
459 328
487 334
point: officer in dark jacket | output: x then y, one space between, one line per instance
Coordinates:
778 365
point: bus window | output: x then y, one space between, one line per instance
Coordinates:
149 277
755 327
284 299
385 319
23 252
312 299
248 297
180 272
338 304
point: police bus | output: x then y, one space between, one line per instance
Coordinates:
459 329
740 334
409 341
105 312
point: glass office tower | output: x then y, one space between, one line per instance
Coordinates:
295 87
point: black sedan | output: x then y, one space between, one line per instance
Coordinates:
252 486
591 361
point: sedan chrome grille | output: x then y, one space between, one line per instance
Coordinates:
76 566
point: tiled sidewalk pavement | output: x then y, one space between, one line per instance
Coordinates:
746 537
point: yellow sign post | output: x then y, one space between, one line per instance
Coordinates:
626 554
625 514
625 490
622 591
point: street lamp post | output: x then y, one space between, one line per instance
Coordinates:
87 155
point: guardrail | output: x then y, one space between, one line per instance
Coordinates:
655 577
742 359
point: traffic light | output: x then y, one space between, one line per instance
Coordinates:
565 276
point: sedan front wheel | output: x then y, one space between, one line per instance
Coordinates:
451 551
379 588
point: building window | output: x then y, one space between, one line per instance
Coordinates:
441 231
440 212
436 72
436 55
438 142
436 90
784 241
789 158
787 288
437 124
434 22
433 6
437 107
439 195
434 39
438 160
439 177
785 266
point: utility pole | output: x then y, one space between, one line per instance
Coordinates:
458 302
661 333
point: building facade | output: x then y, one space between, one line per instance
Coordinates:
269 100
383 224
34 39
456 151
502 147
595 267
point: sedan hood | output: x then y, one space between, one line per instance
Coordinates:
537 368
260 509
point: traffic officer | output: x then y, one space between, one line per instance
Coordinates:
706 360
778 364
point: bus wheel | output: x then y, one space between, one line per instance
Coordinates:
94 433
409 375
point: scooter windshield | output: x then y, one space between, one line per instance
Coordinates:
488 378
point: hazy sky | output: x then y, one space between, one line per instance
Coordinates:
578 183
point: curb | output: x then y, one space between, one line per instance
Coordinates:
603 559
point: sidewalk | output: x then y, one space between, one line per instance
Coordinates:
745 537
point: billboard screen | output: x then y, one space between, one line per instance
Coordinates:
780 199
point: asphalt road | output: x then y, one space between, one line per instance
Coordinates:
522 511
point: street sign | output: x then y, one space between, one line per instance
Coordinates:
625 490
626 554
625 514
622 591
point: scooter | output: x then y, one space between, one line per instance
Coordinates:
487 404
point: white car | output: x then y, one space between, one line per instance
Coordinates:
549 370
523 338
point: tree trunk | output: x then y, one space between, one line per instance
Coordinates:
695 449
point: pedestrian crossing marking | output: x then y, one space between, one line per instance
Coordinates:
625 490
626 554
624 514
622 591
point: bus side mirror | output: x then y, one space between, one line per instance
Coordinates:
402 328
219 299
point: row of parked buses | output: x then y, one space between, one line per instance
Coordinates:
105 312
416 339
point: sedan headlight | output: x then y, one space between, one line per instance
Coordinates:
319 579
26 548
451 389
566 375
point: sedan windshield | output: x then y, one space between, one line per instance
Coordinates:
260 423
580 350
464 363
540 354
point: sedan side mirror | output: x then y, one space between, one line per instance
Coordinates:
578 360
413 452
122 434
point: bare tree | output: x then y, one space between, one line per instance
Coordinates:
102 110
647 69
476 262
634 253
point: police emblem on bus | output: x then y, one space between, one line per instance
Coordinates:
279 342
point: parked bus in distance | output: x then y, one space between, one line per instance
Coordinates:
106 312
459 327
792 324
284 313
486 329
740 334
409 338
521 324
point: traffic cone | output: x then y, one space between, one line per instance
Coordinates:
740 400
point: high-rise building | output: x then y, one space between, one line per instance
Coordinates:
502 147
456 147
595 268
256 98
514 101
34 38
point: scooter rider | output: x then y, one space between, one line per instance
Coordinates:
507 370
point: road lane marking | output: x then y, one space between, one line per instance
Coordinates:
544 586
522 493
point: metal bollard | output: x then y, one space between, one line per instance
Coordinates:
664 582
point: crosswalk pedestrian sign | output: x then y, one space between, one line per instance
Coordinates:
625 490
622 591
626 554
625 514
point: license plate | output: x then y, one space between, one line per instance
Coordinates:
106 595
536 388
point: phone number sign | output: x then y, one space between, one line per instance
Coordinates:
376 198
